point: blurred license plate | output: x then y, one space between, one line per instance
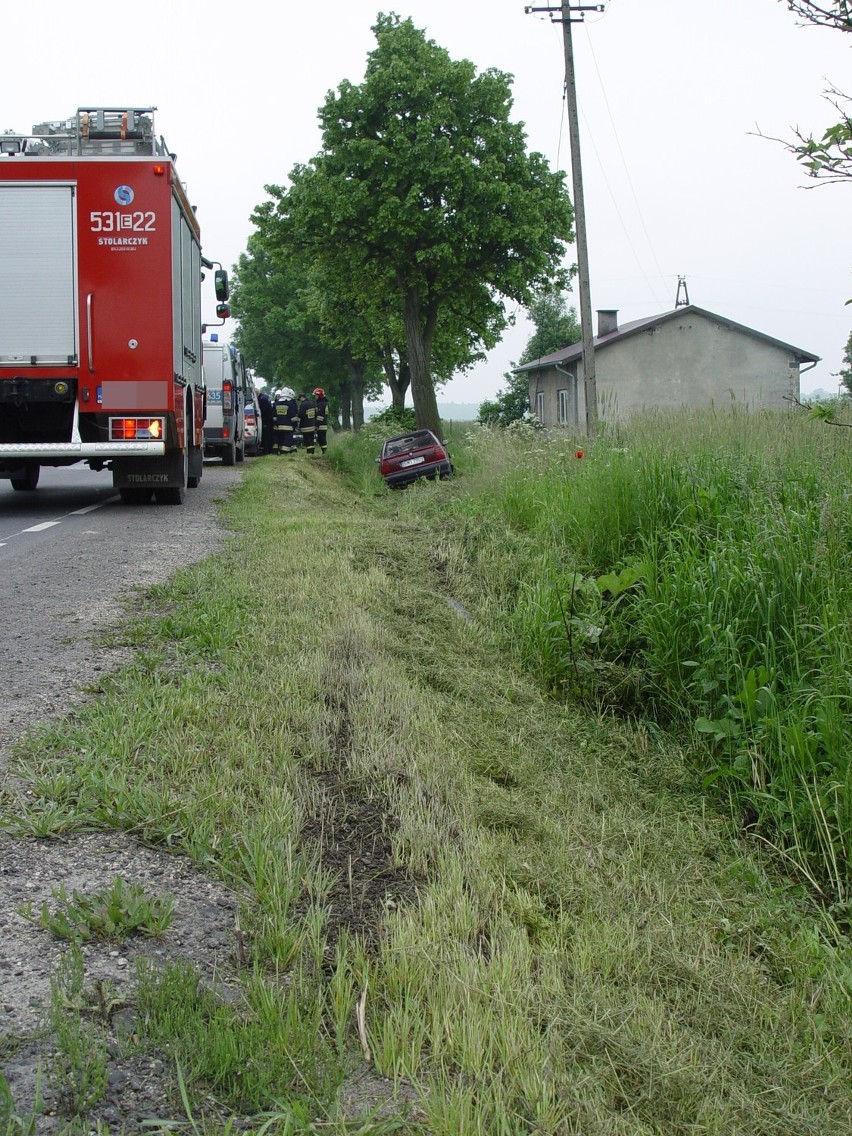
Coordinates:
411 461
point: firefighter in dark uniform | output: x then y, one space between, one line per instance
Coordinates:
286 416
322 419
267 418
308 421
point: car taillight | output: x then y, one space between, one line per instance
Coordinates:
227 397
385 467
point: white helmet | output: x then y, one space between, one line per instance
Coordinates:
285 392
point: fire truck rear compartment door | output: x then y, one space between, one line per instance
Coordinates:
37 280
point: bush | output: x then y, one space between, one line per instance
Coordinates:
393 421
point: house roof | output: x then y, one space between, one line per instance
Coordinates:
575 350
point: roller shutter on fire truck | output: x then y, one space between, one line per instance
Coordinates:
100 306
37 280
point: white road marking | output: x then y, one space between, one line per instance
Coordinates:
91 508
75 513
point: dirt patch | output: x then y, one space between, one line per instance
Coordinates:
353 824
352 834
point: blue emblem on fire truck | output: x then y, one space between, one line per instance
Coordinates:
124 195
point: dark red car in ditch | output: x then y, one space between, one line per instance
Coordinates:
411 456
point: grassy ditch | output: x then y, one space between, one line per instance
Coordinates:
694 570
510 913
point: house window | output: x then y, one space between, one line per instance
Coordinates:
539 407
562 407
566 404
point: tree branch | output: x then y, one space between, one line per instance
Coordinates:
837 15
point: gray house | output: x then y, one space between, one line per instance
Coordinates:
687 357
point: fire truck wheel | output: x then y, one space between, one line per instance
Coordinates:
175 494
135 496
29 480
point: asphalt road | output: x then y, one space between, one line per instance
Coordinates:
71 558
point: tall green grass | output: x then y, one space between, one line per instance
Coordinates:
695 568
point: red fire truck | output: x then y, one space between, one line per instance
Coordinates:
100 306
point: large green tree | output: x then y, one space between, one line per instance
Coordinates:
364 324
279 334
283 334
425 198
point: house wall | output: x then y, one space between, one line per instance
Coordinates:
548 383
689 361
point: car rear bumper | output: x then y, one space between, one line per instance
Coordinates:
431 470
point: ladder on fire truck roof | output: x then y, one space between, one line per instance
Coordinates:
105 131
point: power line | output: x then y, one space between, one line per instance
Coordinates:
660 272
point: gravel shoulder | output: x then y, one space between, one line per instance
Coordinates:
62 603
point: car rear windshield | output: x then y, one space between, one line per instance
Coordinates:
409 442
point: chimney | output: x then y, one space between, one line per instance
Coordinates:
607 321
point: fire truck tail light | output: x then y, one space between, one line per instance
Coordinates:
135 429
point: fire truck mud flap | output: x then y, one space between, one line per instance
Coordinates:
167 477
196 467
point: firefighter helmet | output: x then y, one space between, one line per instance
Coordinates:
319 392
285 392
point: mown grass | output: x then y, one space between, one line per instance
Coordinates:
545 928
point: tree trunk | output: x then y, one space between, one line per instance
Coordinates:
355 368
419 333
398 379
346 405
358 400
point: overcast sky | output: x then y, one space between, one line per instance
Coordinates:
672 93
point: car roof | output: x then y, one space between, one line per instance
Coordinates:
411 434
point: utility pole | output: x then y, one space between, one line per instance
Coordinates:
583 279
